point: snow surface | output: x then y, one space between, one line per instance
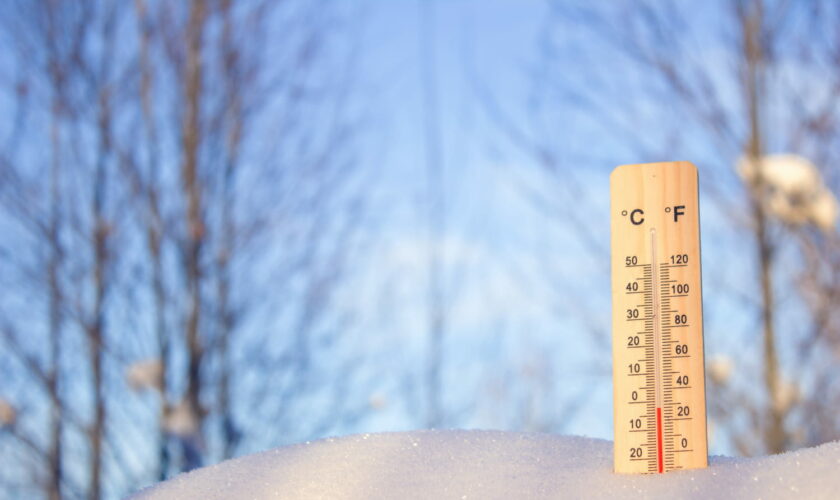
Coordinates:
492 465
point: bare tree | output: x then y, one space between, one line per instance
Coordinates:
56 61
741 86
199 211
146 187
435 200
193 242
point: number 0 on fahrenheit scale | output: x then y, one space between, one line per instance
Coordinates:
659 395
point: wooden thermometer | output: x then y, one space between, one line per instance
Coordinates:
659 393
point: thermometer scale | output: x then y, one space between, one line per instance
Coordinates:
659 395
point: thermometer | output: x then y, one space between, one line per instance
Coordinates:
659 395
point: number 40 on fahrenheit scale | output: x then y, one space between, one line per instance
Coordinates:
659 396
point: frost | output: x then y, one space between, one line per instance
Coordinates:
792 190
491 464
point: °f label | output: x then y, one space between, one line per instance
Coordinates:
659 395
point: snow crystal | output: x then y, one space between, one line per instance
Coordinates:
491 464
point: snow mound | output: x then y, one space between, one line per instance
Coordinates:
489 465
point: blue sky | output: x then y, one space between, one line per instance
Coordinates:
503 313
527 344
526 295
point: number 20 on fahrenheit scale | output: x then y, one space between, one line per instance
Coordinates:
659 396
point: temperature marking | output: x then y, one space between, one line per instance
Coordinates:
657 345
658 376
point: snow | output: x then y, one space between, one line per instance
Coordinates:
145 374
720 369
825 210
490 465
181 420
792 189
8 413
182 423
787 173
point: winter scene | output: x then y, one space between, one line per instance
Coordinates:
419 249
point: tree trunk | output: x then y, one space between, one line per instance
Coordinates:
774 434
55 303
191 184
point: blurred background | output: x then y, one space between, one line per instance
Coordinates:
234 225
